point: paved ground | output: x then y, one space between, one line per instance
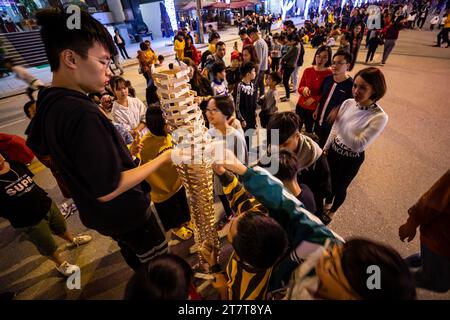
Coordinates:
410 155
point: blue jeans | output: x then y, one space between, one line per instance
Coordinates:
434 274
388 46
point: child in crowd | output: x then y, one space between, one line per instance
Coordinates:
167 277
160 61
233 74
218 112
261 193
270 100
219 83
29 210
245 97
167 192
289 166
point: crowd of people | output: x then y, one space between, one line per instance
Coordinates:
119 172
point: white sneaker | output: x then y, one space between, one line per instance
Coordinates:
78 241
67 269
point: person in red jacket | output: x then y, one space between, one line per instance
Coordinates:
309 89
190 51
432 214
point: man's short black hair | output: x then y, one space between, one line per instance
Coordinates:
287 123
242 31
259 240
57 36
396 280
160 57
217 67
166 277
220 44
247 68
347 55
275 76
155 121
252 30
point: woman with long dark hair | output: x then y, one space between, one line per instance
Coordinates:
309 88
356 36
357 124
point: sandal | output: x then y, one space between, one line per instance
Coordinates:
183 233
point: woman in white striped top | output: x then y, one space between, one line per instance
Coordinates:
358 123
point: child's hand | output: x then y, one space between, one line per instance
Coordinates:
137 145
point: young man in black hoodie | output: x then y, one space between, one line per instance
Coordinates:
84 145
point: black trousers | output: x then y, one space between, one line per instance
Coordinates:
260 82
443 36
275 64
322 132
306 117
343 170
142 244
226 205
371 53
286 76
124 52
421 22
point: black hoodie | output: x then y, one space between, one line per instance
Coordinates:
90 154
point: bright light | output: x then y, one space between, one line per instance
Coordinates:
286 5
343 3
170 7
320 6
308 3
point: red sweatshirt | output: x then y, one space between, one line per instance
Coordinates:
313 80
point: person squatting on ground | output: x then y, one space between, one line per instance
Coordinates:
93 159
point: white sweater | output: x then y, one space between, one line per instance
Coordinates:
357 127
129 116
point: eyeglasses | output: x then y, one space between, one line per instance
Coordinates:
334 63
105 62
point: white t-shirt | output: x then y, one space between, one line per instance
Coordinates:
129 116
